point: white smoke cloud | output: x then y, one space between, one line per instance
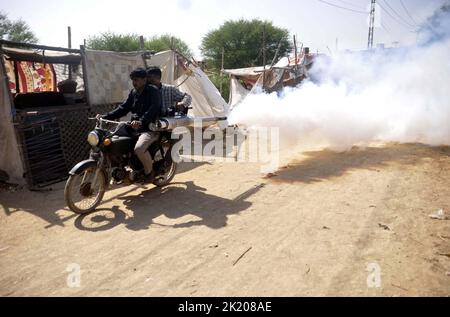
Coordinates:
184 5
356 99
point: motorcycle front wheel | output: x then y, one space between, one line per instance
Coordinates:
84 192
166 178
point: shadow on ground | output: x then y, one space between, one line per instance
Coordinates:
48 202
324 165
174 202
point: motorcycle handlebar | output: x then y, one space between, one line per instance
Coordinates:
109 121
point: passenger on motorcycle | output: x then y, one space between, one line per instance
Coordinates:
144 103
173 100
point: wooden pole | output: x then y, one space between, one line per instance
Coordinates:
16 75
38 47
142 48
141 43
296 54
264 56
69 38
221 70
223 57
85 78
276 54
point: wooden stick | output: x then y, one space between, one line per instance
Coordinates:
296 52
85 77
38 47
264 55
141 42
69 37
243 254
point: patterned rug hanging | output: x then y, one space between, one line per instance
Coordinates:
33 77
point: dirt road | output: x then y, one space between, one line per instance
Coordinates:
327 224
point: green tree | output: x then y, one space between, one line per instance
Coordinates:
223 82
166 42
242 42
109 41
17 31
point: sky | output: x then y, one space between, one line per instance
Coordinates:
319 24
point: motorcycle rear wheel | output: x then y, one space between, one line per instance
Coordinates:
79 195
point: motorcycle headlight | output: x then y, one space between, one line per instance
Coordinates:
93 139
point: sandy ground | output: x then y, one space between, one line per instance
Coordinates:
323 226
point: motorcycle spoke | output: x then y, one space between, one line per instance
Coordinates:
83 201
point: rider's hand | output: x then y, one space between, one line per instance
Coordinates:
98 116
136 124
181 106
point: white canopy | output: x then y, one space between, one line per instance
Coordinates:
177 71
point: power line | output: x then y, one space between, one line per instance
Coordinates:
394 18
344 8
351 4
397 14
407 12
385 28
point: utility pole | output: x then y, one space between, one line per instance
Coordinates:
371 24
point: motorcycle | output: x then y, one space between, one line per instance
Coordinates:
112 161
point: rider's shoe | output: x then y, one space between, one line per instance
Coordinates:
150 178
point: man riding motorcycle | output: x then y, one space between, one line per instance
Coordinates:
144 103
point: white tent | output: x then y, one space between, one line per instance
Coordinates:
287 71
189 78
238 77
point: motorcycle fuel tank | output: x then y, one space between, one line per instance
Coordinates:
122 145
